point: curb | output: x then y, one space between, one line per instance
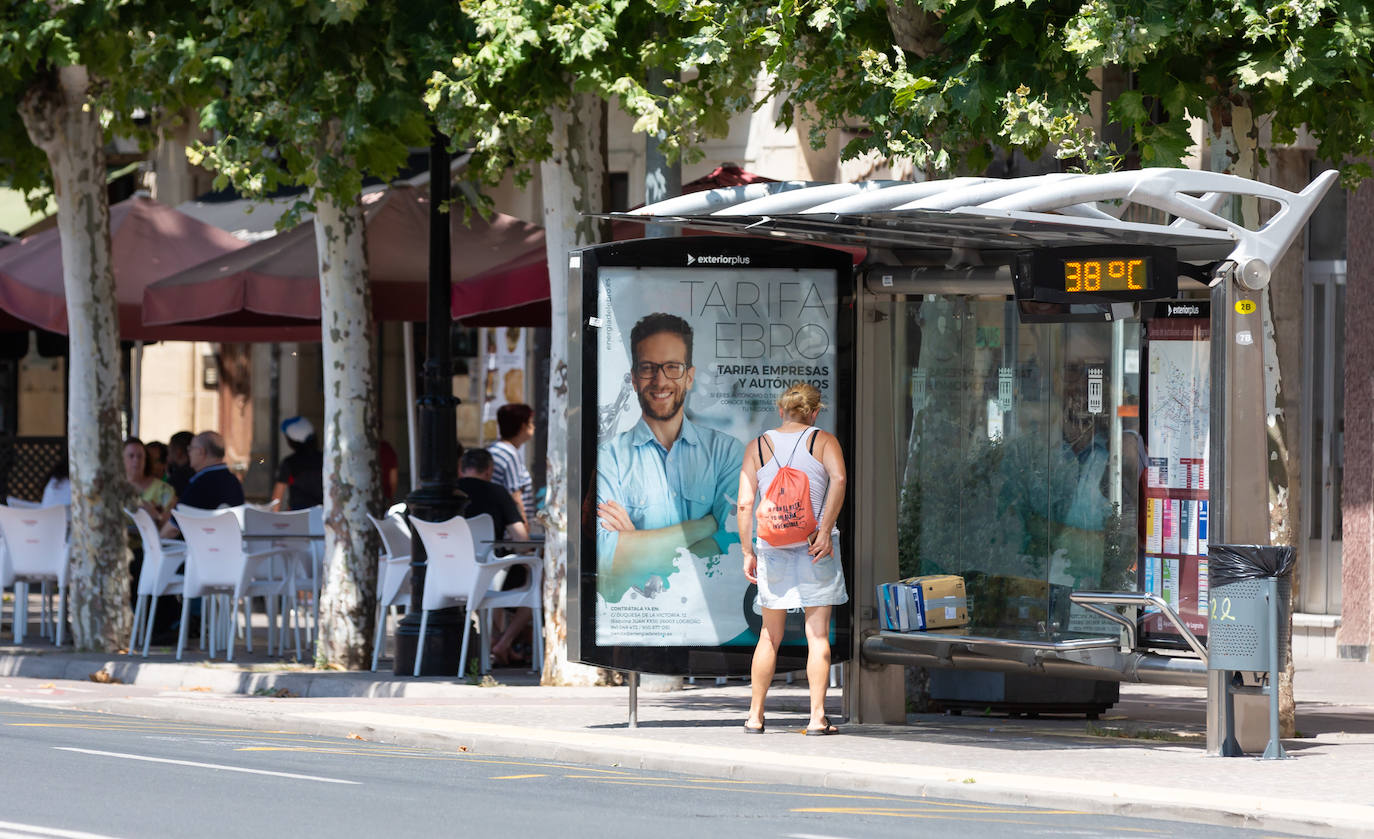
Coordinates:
224 678
1105 798
583 747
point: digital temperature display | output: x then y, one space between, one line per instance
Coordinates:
1094 275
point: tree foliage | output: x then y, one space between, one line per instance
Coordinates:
1017 74
524 57
281 73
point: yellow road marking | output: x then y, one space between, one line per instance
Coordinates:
793 794
516 777
429 755
935 810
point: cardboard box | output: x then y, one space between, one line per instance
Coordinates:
940 600
917 603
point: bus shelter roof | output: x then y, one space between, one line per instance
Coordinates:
983 221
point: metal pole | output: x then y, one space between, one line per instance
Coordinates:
632 679
274 408
135 388
1274 749
412 443
1217 696
1118 393
438 498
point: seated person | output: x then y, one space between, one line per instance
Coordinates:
475 472
213 485
485 496
300 478
179 469
154 494
58 489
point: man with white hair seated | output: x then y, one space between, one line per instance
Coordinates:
213 485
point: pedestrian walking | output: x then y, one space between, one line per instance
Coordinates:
796 474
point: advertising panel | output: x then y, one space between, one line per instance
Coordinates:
689 343
1174 512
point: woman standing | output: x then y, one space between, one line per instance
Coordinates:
804 574
154 494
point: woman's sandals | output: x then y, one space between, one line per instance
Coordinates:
825 729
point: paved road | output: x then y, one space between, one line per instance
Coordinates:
64 771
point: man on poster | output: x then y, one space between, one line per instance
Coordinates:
663 484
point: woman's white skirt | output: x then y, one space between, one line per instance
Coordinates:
788 579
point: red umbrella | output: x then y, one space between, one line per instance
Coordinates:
277 280
148 241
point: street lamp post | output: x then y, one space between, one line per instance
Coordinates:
438 497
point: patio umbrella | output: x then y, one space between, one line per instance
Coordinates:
276 281
148 241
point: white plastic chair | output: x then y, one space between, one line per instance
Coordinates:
316 565
7 580
157 577
483 529
297 552
187 510
217 564
393 575
37 548
44 595
453 575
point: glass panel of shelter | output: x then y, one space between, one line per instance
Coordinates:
1007 472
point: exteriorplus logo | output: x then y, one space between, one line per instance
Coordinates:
1184 309
717 259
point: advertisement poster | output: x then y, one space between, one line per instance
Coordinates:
690 362
503 380
1178 436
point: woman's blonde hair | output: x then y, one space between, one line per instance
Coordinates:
800 400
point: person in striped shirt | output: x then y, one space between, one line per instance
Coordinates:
515 422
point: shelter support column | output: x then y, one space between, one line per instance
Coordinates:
873 693
1239 473
1355 638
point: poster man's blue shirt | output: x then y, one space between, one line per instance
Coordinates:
658 487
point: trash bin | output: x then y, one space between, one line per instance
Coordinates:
1240 608
1250 589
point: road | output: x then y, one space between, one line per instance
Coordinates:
84 775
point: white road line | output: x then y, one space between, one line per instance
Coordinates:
26 831
219 766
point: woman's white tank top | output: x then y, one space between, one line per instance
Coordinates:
783 444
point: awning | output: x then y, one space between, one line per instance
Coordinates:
148 241
276 281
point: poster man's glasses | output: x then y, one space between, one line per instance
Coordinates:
671 369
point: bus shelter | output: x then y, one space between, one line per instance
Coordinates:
1050 387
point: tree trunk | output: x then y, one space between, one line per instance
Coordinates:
62 121
351 489
174 180
573 186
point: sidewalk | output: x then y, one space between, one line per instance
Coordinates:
1143 758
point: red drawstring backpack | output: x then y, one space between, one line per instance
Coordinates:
785 516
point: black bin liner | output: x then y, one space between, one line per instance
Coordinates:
1233 563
